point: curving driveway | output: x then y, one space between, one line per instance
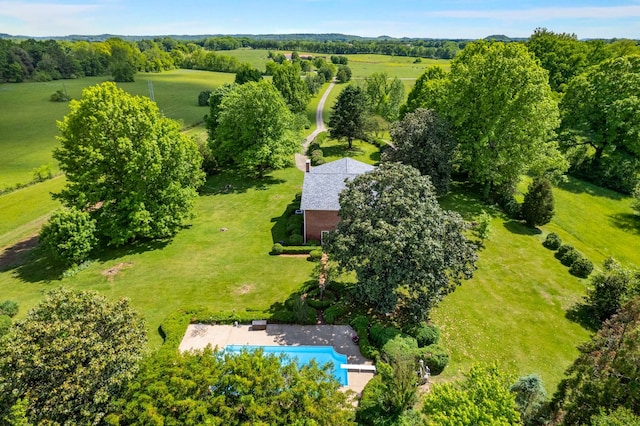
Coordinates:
320 127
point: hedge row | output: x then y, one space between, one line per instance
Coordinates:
280 249
361 325
578 265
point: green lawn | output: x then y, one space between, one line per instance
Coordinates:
28 118
222 270
25 210
396 66
514 309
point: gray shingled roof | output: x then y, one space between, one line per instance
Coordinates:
323 184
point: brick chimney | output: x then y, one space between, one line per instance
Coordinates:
307 166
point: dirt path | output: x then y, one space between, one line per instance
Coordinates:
320 127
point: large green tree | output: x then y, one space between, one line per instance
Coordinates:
422 139
483 397
406 251
127 165
291 86
349 115
605 375
538 205
384 95
502 113
71 356
247 73
601 110
562 54
428 92
216 388
255 131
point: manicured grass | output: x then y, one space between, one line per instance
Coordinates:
396 66
203 265
25 210
514 310
334 149
256 57
28 118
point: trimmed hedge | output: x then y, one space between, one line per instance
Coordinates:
552 242
434 356
328 299
425 334
296 239
581 268
361 325
315 255
332 313
380 334
569 256
291 249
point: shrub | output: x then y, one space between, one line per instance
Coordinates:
315 255
69 236
314 300
317 157
400 345
380 334
314 243
537 208
277 249
426 334
294 224
9 308
581 268
434 356
552 242
42 173
567 255
510 206
361 324
332 313
203 98
5 324
297 240
59 96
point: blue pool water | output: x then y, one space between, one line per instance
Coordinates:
303 355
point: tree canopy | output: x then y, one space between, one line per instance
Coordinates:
605 375
255 131
207 387
384 96
428 92
247 73
127 165
291 86
406 251
483 397
70 357
349 114
502 113
601 110
422 139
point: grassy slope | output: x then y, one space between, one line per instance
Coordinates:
28 118
201 266
514 309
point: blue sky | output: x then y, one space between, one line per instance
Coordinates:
398 18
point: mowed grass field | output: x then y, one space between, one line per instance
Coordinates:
221 260
28 118
361 65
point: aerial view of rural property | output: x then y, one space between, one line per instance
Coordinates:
320 213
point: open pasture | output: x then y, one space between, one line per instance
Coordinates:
28 118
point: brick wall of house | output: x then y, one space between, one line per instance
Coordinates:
318 221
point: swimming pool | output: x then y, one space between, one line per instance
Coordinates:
303 355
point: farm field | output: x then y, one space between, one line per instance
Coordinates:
361 65
28 118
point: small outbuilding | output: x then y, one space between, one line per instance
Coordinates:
320 194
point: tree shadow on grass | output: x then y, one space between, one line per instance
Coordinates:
577 186
236 183
280 229
36 266
341 150
517 227
463 198
627 222
583 315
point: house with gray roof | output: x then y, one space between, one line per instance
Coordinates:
320 194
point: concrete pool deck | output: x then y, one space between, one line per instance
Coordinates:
198 336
